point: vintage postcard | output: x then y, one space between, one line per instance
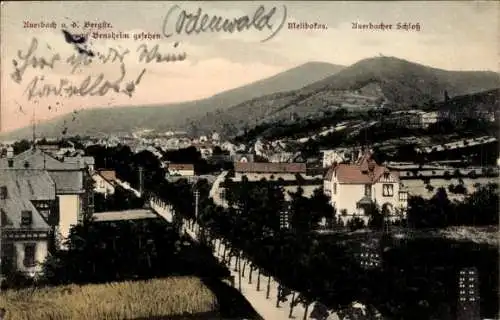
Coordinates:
249 160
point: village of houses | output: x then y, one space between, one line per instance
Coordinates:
44 193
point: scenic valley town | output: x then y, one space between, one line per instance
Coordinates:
268 161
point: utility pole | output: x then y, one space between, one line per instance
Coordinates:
33 128
141 182
3 195
196 201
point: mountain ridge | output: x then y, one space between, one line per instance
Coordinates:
368 83
373 82
175 114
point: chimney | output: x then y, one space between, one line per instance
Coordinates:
10 156
10 152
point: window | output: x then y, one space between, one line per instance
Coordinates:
403 196
386 175
222 194
29 255
368 190
335 188
26 218
3 192
387 190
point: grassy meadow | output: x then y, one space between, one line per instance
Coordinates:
156 298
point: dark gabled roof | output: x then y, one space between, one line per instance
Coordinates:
37 159
24 186
266 167
68 182
67 176
28 184
12 209
80 160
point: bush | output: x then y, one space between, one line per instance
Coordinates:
460 189
472 174
356 224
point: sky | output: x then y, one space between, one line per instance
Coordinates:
461 35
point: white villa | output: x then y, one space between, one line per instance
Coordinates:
353 187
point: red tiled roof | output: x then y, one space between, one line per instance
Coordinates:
181 166
265 167
365 171
109 175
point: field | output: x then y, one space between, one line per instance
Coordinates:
151 299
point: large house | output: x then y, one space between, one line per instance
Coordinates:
353 188
290 176
104 182
255 171
29 216
75 195
180 169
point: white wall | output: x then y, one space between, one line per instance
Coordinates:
41 252
181 172
69 211
258 176
349 194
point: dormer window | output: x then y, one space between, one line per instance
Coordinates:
26 218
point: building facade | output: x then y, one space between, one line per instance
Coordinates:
29 215
255 171
104 182
71 179
180 169
353 188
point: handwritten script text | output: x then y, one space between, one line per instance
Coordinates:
198 22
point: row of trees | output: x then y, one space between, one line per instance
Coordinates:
477 209
326 268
